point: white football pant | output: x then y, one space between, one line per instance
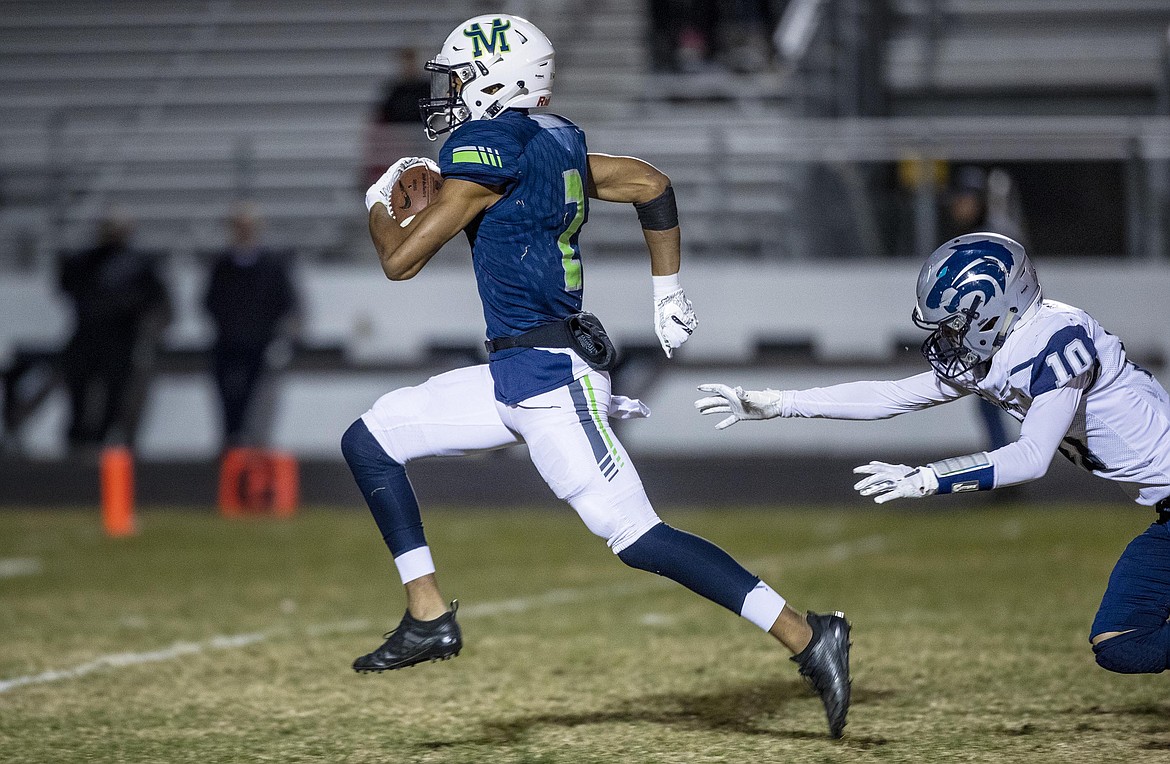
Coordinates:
567 431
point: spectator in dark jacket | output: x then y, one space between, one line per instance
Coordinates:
395 127
252 301
121 305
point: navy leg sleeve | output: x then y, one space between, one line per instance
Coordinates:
386 489
692 561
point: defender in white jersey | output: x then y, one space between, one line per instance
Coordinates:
1053 368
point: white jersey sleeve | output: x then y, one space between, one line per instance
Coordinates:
1041 433
1070 384
869 400
1051 364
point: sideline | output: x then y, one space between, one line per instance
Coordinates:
831 554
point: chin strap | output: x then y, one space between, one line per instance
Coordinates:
504 96
1007 327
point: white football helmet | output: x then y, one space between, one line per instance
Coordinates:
971 292
489 63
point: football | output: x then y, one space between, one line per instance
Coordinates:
413 191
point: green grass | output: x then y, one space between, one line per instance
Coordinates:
969 628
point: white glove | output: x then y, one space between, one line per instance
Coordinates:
674 316
379 192
887 482
621 407
740 403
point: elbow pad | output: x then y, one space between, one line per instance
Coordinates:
965 473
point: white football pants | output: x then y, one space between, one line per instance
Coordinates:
566 429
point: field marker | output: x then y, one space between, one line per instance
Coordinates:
15 567
835 553
117 489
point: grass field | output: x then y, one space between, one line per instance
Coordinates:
203 640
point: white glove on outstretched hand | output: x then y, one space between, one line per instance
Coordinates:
887 482
674 316
740 403
379 192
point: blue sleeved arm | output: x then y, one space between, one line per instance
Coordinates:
1060 374
484 152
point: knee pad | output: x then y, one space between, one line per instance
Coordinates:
620 520
362 451
1141 651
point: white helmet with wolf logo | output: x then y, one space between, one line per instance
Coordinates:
971 292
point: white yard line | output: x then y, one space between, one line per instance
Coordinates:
834 553
229 641
117 660
14 567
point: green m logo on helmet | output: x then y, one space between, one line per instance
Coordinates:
482 42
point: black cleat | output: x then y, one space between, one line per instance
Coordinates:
824 664
415 641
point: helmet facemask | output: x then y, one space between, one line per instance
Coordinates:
446 110
950 348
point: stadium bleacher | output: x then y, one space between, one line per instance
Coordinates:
1025 56
172 111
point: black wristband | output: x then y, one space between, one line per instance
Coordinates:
660 213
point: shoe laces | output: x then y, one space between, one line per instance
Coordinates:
399 630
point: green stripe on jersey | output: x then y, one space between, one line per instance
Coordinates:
476 155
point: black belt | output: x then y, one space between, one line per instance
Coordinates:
554 335
1163 509
581 331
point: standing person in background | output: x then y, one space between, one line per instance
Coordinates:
122 306
252 301
518 184
969 207
400 95
394 123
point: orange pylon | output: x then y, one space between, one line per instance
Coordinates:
117 477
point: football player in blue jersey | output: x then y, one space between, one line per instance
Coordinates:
518 184
1052 367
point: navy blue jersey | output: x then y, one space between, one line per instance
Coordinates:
524 247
